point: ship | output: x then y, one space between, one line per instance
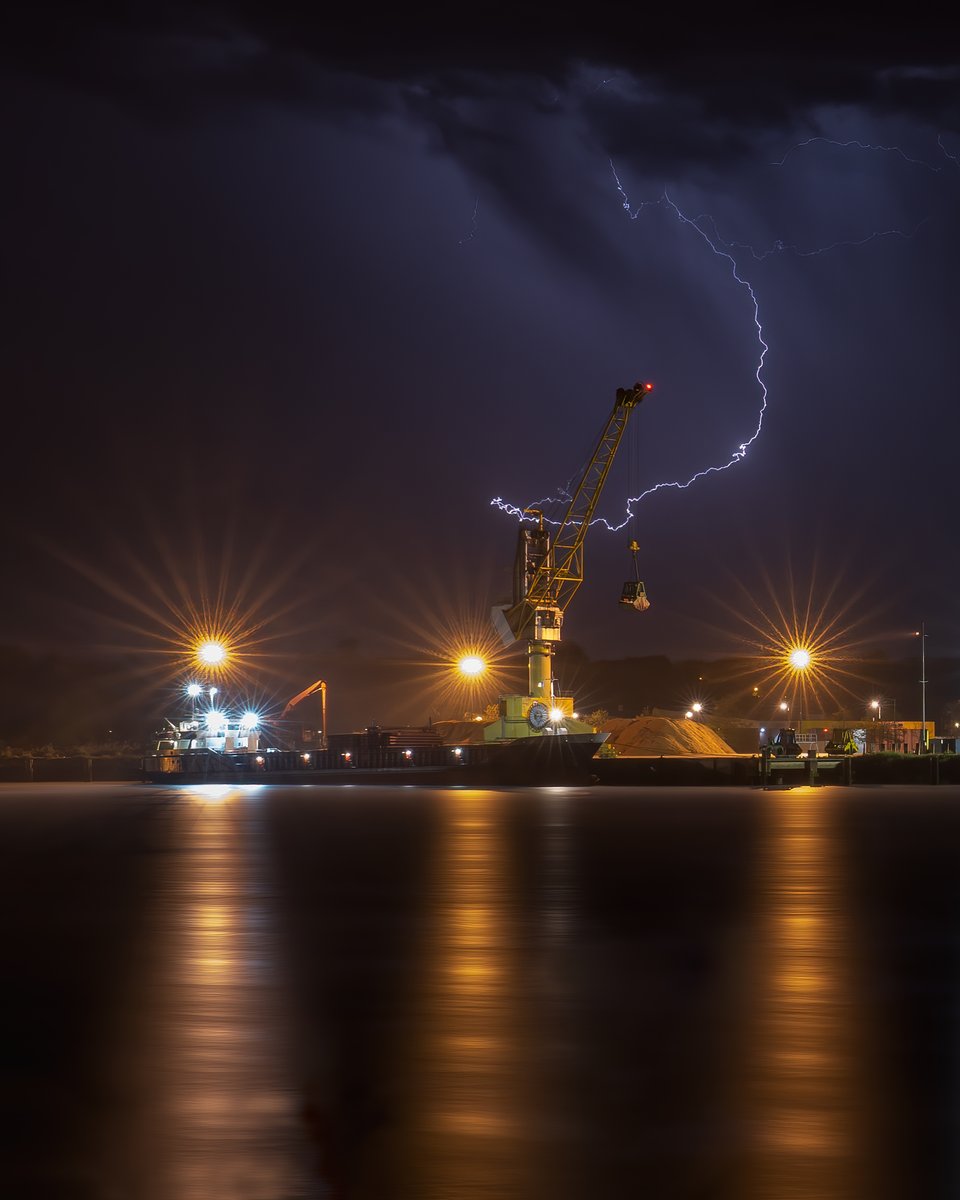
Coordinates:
237 749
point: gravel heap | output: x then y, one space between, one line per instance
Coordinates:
638 737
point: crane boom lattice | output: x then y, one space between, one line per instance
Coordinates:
559 571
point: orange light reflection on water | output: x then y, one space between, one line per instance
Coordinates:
472 1083
808 1092
227 1111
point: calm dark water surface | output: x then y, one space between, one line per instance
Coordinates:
262 993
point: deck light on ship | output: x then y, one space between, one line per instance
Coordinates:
556 715
215 720
194 690
249 720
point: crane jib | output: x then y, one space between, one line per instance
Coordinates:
559 570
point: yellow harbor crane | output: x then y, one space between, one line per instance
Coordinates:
547 573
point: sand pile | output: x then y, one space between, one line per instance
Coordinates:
637 737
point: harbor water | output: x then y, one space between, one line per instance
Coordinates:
263 992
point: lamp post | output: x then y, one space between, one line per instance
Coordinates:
800 659
922 635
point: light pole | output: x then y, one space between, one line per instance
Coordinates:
800 659
922 635
878 705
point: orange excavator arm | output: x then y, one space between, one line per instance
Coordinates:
321 687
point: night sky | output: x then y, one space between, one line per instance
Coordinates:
288 301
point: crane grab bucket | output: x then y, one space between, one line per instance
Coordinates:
634 595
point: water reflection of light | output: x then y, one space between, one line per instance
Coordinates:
229 1119
211 792
807 1085
470 1065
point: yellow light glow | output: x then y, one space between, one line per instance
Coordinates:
211 654
832 623
471 665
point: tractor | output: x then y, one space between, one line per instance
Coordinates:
841 742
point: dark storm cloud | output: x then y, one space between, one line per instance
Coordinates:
763 71
498 89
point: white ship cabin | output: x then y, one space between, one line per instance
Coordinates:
213 731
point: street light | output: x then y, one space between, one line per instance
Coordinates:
800 659
697 708
211 653
922 635
471 665
878 708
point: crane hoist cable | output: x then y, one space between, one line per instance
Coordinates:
634 594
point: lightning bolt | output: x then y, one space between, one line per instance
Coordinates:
946 152
705 226
721 251
782 247
473 225
739 453
867 146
